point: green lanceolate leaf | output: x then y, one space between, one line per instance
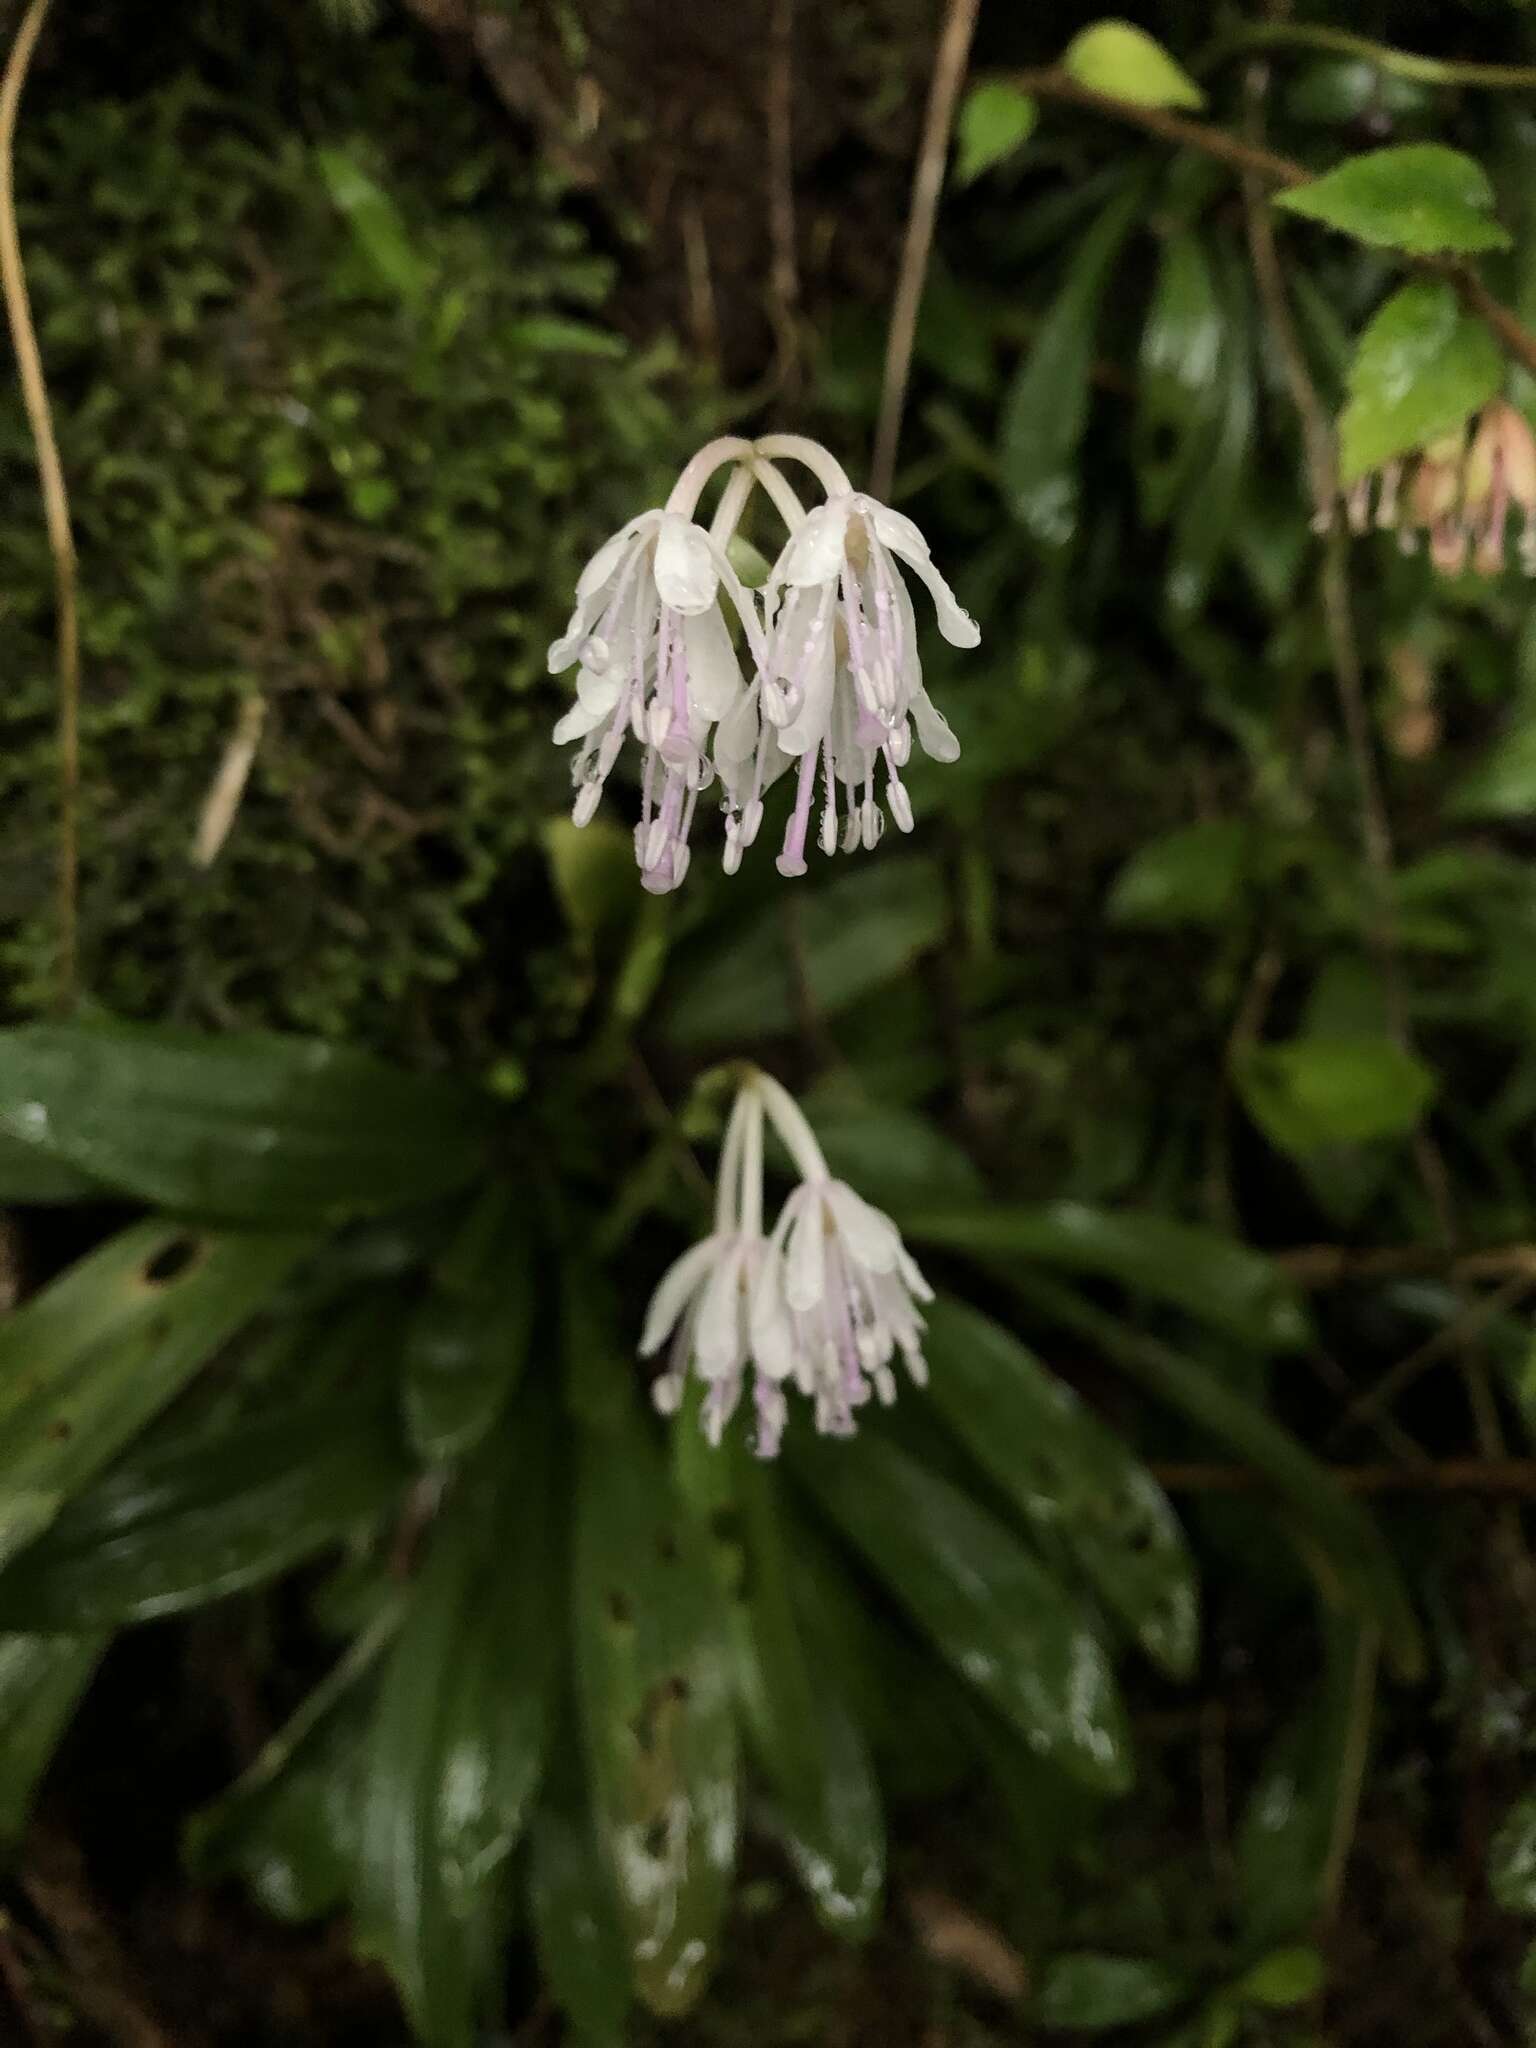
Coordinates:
862 930
1207 513
1420 370
1072 1479
1422 198
583 1956
1503 783
1047 407
995 120
1125 63
458 1737
41 1678
1299 1817
806 1736
991 1608
653 1666
1357 1569
468 1339
27 1175
1176 386
1218 1282
86 1363
377 228
250 1127
193 1518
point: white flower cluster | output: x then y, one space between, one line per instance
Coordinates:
836 684
822 1302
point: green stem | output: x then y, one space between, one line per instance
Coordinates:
1400 63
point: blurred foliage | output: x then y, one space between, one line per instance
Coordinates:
327 405
1190 1043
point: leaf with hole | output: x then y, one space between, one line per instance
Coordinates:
85 1364
250 1127
653 1669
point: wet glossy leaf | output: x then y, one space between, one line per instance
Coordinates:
995 120
1421 369
249 1127
1086 1992
581 1947
195 1518
458 1738
468 1339
1125 63
1072 1479
41 1678
1207 513
27 1175
1289 1834
88 1361
1047 406
654 1683
811 1747
1176 384
1208 1276
1422 198
1334 1089
291 1836
991 1608
1358 1570
860 931
1194 875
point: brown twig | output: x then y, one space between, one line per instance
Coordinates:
1320 1266
948 71
1455 1336
61 544
1496 1478
784 270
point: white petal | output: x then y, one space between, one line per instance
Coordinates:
714 678
872 1239
717 1334
773 1337
933 728
676 1288
814 552
810 621
604 565
736 734
576 724
686 576
902 538
598 693
805 1258
912 1274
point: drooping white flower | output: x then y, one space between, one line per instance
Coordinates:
837 682
654 657
823 1304
837 1292
842 678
